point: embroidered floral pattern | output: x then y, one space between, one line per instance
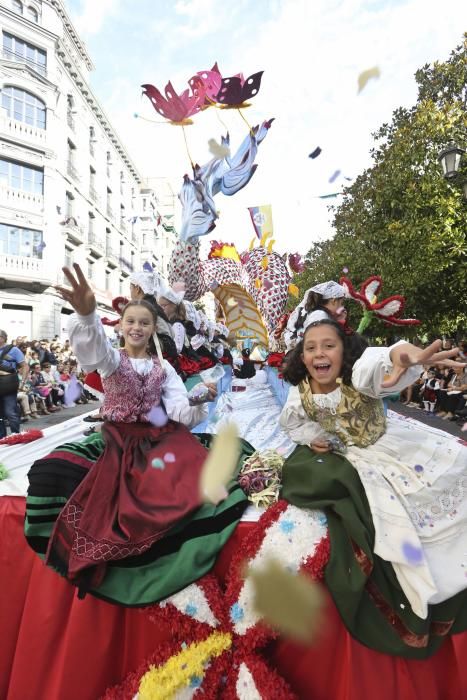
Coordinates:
129 396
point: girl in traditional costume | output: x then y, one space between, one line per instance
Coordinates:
324 300
120 514
396 502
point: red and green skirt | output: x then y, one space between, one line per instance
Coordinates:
120 516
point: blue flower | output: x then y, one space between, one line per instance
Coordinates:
195 682
287 526
191 609
236 613
322 519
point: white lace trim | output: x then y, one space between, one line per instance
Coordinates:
329 401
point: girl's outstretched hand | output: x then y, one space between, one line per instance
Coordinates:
407 355
80 296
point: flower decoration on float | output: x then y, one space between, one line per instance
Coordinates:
218 637
388 310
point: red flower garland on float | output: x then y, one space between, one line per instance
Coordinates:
22 438
217 638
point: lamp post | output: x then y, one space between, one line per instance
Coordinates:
450 160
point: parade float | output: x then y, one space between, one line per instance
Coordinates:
207 640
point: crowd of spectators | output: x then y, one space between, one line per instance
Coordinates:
441 392
45 368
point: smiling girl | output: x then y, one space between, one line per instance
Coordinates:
132 491
395 504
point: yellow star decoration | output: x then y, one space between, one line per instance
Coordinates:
162 682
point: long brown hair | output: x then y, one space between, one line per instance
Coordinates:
152 309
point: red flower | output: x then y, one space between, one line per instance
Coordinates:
388 310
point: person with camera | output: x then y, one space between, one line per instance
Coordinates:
12 362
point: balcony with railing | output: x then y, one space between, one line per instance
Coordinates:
93 194
112 253
95 243
76 233
20 131
10 55
22 268
110 212
71 170
123 224
21 199
125 264
70 121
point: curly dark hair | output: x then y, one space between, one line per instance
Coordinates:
152 309
354 345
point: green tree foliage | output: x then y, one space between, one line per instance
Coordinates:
400 218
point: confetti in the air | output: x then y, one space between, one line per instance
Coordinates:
218 150
293 290
413 554
366 75
345 270
315 153
220 464
157 416
289 602
334 176
72 391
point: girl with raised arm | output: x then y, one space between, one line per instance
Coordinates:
120 514
394 491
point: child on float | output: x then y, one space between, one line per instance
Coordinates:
324 300
393 490
129 487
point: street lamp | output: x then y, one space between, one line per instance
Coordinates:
450 159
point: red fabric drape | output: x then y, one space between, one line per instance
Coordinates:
54 646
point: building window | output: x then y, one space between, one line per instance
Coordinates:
68 257
15 49
70 105
92 184
21 177
90 269
69 213
107 281
15 240
71 168
23 106
92 140
17 6
32 14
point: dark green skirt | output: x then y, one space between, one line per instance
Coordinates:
364 587
184 555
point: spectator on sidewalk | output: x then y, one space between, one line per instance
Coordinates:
12 363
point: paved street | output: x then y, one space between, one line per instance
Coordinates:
416 413
60 416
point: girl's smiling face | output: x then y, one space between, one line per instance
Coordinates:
323 354
137 326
